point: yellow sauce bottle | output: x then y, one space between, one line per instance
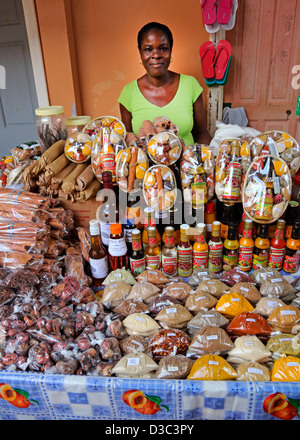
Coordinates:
261 248
246 247
231 249
200 248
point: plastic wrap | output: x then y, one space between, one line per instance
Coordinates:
175 316
95 125
159 188
140 324
209 340
233 304
115 293
78 147
173 367
207 318
134 364
248 348
253 372
160 302
200 275
284 318
267 305
248 290
286 369
164 148
267 189
236 275
211 367
200 300
284 343
249 324
132 164
169 341
197 167
213 286
178 290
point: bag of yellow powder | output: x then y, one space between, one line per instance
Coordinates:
284 318
286 369
232 304
212 367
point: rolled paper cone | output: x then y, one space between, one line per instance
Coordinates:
84 179
68 184
89 192
56 166
48 156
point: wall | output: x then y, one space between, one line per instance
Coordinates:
90 48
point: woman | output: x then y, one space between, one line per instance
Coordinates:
162 92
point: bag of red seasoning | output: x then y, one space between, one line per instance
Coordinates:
249 324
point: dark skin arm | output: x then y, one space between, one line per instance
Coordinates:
200 132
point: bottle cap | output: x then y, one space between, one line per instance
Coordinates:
201 228
51 110
115 229
169 231
216 225
78 120
280 223
136 234
184 228
94 227
151 231
248 223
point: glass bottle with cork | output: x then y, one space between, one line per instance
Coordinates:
97 255
117 249
200 248
230 249
169 253
137 258
261 248
246 243
108 212
277 248
153 250
292 251
215 248
184 253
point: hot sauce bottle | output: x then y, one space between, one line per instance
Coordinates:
184 253
231 249
246 247
291 216
200 248
117 249
149 220
153 250
291 258
215 248
277 249
97 255
137 258
169 253
261 248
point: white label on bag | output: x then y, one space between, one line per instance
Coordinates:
255 370
133 361
170 368
276 280
171 310
200 297
139 318
292 364
211 337
272 303
287 312
234 299
117 247
246 289
249 343
213 363
250 319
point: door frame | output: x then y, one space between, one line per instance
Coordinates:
36 54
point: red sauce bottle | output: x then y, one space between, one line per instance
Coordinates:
117 249
277 249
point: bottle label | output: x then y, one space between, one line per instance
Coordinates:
169 241
185 261
105 232
291 261
232 181
230 257
137 266
117 247
215 257
224 231
245 257
260 258
153 261
99 267
136 245
276 258
109 163
200 259
127 235
169 265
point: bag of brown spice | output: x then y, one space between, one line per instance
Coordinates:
173 366
209 340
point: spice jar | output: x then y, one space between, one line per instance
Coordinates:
77 123
51 125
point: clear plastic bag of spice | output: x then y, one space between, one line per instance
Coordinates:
168 341
173 367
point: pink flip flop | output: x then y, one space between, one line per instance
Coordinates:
207 56
224 11
209 11
223 54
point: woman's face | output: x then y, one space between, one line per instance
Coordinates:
155 53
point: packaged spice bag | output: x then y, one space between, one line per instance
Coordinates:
178 290
115 293
248 290
213 286
248 348
176 316
279 287
253 371
266 305
209 340
140 324
200 301
161 302
130 306
145 291
200 275
264 273
212 367
207 318
284 318
133 344
284 343
134 364
249 323
169 341
286 369
119 275
233 304
235 275
173 367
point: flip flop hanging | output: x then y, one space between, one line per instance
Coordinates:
224 11
223 54
207 57
209 11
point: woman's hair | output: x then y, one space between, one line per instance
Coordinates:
154 25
